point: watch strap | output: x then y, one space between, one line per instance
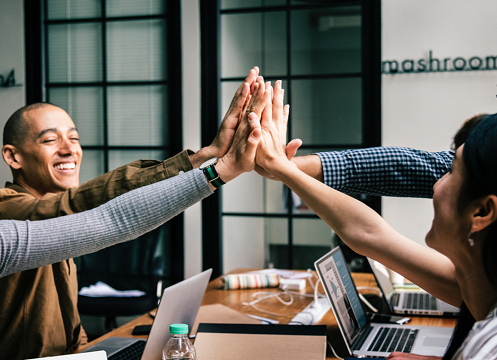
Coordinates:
212 176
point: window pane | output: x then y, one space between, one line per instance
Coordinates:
84 105
135 7
73 9
248 40
137 115
326 41
75 53
327 111
312 238
251 193
136 50
240 4
92 165
247 240
119 158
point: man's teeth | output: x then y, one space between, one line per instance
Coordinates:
65 166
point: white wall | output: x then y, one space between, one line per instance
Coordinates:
424 110
190 32
11 57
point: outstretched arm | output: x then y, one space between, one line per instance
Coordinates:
380 171
27 245
31 244
356 224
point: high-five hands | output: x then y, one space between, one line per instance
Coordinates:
226 132
240 157
272 148
274 121
241 135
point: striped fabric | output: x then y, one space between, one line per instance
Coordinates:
481 343
385 171
249 281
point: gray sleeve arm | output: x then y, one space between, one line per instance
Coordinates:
31 244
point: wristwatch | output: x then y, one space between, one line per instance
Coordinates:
211 174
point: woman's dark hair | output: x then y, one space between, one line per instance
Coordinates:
480 161
466 129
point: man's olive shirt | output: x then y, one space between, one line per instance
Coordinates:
38 307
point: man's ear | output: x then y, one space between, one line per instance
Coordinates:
11 156
485 214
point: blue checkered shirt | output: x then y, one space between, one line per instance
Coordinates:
385 171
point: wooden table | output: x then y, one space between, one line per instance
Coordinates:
235 298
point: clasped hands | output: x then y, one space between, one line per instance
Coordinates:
257 123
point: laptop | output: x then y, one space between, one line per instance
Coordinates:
410 302
179 304
98 355
363 338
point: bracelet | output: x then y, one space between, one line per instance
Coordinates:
212 176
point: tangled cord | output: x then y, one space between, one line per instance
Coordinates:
262 295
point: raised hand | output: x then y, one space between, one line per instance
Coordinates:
272 145
240 157
222 142
224 137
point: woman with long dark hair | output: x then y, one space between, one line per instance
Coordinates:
462 270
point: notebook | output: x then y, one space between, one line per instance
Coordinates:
179 304
252 341
410 302
363 338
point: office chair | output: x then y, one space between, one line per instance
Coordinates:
133 265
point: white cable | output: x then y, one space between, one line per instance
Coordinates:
268 295
380 294
368 304
334 353
317 304
291 294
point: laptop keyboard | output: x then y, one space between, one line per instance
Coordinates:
390 339
132 352
420 301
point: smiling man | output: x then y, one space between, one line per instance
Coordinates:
41 145
38 307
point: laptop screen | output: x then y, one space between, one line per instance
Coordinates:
342 294
381 275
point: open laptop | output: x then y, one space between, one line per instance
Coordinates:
410 302
363 338
179 304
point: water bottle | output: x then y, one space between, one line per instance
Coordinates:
179 346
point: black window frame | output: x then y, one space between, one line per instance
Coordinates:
37 86
211 11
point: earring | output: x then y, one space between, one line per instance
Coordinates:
470 239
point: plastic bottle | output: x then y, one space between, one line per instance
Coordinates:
179 346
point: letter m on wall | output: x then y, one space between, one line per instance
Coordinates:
389 66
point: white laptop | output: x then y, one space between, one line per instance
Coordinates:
410 302
95 355
179 304
363 338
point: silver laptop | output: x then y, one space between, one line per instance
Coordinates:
410 302
363 338
179 304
